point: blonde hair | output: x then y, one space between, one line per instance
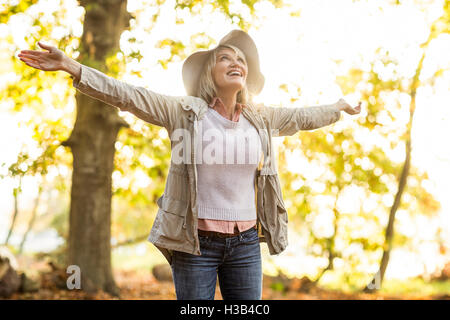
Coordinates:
207 89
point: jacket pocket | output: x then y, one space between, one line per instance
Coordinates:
274 218
177 186
174 206
171 220
277 214
277 194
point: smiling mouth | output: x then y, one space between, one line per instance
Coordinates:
234 73
234 76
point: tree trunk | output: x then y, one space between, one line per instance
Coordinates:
16 192
377 281
438 26
92 144
32 220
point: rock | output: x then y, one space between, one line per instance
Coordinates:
57 275
162 272
28 284
9 279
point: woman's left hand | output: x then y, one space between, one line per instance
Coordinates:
344 106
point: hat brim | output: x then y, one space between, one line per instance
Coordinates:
193 65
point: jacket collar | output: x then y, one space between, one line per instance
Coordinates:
197 105
217 104
200 106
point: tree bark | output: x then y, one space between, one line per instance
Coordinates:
92 143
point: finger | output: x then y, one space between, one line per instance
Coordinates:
45 46
32 52
24 59
28 56
27 60
31 62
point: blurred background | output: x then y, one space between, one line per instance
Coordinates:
367 197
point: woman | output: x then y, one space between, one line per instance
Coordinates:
218 203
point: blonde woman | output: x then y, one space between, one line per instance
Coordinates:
222 196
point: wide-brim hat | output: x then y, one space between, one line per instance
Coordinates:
193 65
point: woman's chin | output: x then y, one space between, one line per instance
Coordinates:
234 85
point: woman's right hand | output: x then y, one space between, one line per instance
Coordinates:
344 106
53 60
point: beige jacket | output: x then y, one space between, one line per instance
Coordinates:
175 225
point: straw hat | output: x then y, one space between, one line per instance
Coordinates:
193 65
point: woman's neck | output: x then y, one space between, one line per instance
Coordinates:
229 103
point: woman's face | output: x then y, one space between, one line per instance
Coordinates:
227 62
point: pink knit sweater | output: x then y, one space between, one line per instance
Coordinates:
225 226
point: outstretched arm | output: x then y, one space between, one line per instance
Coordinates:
147 105
288 121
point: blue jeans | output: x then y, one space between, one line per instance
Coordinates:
236 261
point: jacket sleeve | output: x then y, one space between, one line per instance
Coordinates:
288 121
145 104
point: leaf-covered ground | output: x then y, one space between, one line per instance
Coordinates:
136 286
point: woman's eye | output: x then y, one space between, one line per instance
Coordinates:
239 59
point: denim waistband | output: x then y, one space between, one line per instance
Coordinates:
216 234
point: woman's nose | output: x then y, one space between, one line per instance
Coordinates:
235 63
